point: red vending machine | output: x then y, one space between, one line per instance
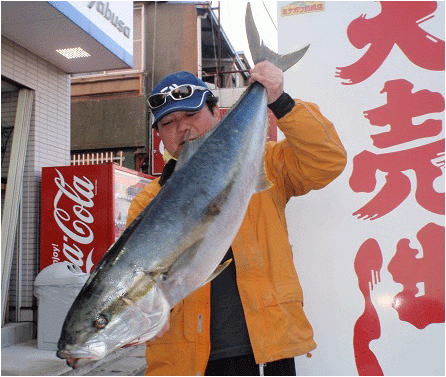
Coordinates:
84 211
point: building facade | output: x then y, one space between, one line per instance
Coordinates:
42 44
109 112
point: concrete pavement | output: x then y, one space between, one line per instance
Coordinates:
25 359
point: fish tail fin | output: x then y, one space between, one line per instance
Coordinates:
260 52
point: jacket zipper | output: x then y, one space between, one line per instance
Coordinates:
200 323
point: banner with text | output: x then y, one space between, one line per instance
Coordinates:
369 248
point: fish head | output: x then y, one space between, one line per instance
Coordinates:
96 331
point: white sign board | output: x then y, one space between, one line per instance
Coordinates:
110 23
369 248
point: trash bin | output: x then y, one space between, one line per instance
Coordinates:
55 287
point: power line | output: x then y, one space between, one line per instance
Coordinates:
267 11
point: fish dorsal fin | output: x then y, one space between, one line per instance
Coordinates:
218 271
189 149
260 52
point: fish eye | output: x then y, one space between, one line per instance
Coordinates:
100 322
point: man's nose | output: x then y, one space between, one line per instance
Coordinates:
184 125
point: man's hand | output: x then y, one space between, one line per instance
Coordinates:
271 77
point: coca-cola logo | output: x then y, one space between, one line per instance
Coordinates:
75 222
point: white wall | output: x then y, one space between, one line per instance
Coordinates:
324 233
48 145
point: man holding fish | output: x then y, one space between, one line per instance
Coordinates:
252 313
204 270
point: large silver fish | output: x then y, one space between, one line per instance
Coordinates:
176 244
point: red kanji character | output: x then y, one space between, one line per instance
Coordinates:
398 23
368 263
420 309
397 187
403 105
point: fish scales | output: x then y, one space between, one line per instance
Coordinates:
208 174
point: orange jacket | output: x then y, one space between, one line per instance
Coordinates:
309 158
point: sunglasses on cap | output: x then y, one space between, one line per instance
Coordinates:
179 93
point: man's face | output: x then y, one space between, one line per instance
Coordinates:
178 127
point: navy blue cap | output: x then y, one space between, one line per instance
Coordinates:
193 103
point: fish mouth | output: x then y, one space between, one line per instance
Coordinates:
77 363
92 351
72 363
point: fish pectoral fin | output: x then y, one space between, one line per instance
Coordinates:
183 260
218 271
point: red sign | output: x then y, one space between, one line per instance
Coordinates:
79 212
397 24
421 302
157 165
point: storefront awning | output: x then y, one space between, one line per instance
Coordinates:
90 36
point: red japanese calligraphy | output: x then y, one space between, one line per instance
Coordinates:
397 186
368 263
397 24
403 105
413 306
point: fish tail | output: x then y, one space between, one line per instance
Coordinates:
260 52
